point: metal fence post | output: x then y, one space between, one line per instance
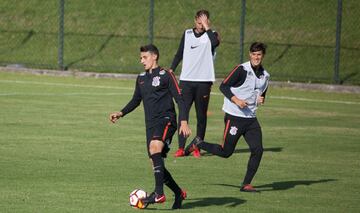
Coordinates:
151 22
61 35
337 45
242 29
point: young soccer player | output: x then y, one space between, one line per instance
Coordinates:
156 88
197 51
244 89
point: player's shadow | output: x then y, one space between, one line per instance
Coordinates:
273 149
207 201
282 185
212 201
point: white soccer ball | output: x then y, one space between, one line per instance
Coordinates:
135 197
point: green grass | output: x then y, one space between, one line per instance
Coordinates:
105 35
59 153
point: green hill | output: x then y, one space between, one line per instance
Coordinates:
104 35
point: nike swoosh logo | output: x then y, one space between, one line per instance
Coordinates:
193 47
157 199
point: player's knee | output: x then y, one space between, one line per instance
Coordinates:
226 154
153 150
156 146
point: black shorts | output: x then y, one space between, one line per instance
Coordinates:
235 127
163 130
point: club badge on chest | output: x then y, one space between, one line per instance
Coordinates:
156 81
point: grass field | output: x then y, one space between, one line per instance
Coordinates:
104 35
59 153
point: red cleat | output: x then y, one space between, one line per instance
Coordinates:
180 153
248 188
196 153
153 198
183 194
178 199
192 147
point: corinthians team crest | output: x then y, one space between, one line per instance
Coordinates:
233 130
156 81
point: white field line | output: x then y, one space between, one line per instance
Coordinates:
314 100
64 94
305 99
64 85
129 88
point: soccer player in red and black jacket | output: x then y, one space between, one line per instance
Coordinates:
157 87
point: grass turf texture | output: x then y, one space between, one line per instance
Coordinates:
103 35
59 152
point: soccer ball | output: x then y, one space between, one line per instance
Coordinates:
135 197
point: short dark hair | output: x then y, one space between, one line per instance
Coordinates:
202 12
258 46
150 48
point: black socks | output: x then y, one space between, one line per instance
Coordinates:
158 163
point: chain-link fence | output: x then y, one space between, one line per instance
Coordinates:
105 35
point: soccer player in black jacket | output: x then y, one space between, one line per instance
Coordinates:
156 88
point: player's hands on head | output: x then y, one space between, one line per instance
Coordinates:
184 129
205 22
113 117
